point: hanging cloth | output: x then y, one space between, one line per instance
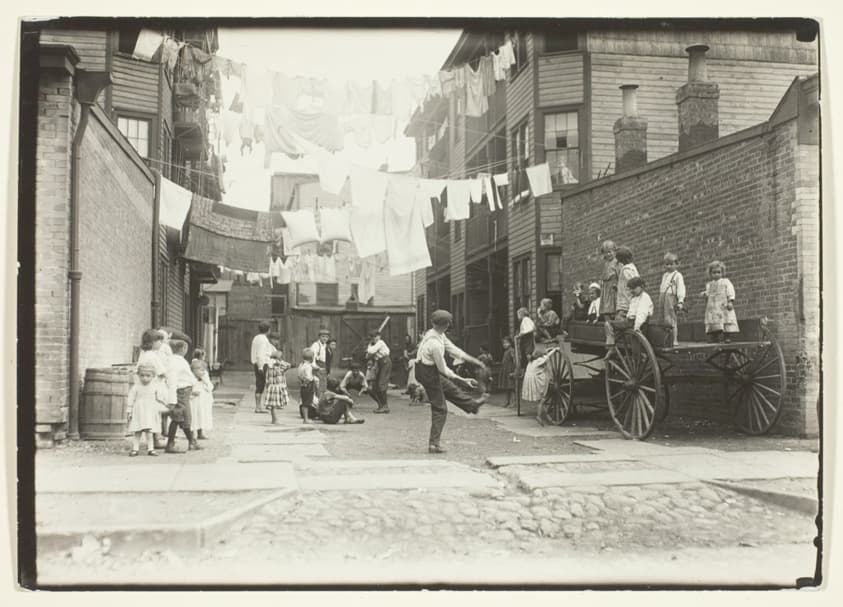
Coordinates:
170 52
448 82
487 71
539 178
147 45
406 242
401 195
367 231
333 172
459 80
488 189
302 227
382 98
476 103
498 68
335 224
366 286
175 204
458 196
230 125
368 189
506 55
423 204
475 188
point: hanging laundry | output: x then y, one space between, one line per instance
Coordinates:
319 129
383 128
254 278
147 44
368 189
487 71
476 103
406 242
302 227
335 225
458 196
433 187
423 204
539 178
500 180
220 234
506 54
333 171
170 52
488 190
447 79
460 79
366 286
368 232
236 104
382 98
498 67
281 138
401 194
475 188
281 270
325 269
175 204
230 125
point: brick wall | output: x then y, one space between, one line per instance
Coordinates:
116 199
56 122
735 200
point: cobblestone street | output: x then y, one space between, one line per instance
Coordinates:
369 510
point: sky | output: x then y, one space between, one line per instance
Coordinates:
338 55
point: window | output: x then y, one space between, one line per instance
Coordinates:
521 284
458 230
520 185
557 41
279 305
519 44
127 38
137 133
553 272
327 294
562 147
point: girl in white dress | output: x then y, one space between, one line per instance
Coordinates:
720 318
147 400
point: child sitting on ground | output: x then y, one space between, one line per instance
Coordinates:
332 405
308 384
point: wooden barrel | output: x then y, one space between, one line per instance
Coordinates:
103 411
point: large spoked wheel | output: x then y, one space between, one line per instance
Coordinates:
557 406
633 385
755 383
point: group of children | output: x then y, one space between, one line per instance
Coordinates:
167 387
621 299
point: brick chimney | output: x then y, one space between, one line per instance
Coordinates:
697 101
630 133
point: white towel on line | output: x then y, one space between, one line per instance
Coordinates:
333 172
406 244
175 204
539 178
368 189
475 187
368 232
458 195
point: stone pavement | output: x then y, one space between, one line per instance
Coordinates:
277 494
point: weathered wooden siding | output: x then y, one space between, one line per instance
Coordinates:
135 85
780 47
550 218
522 216
89 44
749 92
560 79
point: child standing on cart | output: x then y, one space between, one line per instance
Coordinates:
720 319
671 295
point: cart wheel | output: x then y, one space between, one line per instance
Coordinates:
556 406
755 386
633 385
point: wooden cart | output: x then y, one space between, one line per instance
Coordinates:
638 377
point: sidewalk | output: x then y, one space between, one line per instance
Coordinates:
111 502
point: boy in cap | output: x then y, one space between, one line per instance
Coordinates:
440 382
